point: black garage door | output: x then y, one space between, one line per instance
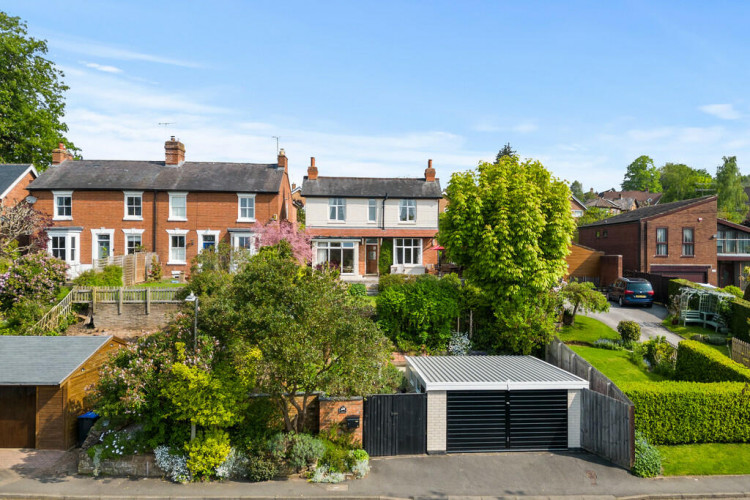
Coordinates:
501 420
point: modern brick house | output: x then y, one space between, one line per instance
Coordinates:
674 239
351 220
14 179
733 253
173 207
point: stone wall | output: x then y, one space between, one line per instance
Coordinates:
133 465
333 411
133 316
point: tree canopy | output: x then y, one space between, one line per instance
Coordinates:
509 225
577 189
31 97
732 199
680 182
642 175
505 151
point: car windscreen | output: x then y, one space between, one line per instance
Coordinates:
639 287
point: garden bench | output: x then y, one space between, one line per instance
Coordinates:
711 319
691 317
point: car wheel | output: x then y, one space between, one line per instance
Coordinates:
620 301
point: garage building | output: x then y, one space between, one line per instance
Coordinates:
43 382
497 403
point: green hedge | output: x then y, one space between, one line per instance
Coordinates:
738 320
109 276
697 362
676 284
691 412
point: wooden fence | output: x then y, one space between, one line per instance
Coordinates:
658 282
135 267
607 414
741 352
52 319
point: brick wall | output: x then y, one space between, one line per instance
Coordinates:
19 192
331 414
610 268
615 239
437 402
133 316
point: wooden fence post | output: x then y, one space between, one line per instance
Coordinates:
119 301
148 301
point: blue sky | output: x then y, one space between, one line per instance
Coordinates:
377 88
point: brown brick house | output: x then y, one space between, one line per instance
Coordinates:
351 218
674 239
14 179
175 208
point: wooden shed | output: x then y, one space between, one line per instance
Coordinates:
43 381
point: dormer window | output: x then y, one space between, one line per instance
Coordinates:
133 205
63 205
177 206
337 209
407 211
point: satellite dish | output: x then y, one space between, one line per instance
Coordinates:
30 200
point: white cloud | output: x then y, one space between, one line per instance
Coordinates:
525 128
102 67
93 48
723 111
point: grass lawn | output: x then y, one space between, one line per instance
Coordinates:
703 459
686 332
587 330
615 365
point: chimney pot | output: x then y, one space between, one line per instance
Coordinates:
429 172
282 160
61 154
174 152
312 170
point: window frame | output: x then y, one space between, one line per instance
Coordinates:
372 209
176 195
410 207
662 244
95 233
172 233
403 246
244 234
240 198
688 244
340 208
339 246
133 194
207 232
56 205
72 239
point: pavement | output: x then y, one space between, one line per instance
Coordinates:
649 318
498 475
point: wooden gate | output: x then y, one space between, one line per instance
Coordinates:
17 417
395 424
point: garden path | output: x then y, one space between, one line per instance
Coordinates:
649 318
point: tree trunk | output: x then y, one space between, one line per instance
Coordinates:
192 431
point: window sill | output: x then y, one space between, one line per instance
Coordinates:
661 256
330 221
408 222
67 217
133 218
245 220
177 219
176 263
687 256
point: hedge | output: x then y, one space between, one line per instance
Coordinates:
697 362
676 284
738 320
691 412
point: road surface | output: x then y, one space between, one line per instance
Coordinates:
649 318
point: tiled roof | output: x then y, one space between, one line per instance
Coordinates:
10 172
147 175
650 211
363 187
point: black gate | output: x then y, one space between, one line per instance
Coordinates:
395 424
481 421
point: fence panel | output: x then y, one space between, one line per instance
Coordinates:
658 282
741 352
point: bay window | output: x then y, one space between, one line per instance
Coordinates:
339 254
407 251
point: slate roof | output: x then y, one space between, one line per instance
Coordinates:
649 211
641 197
148 175
601 203
491 372
364 187
10 172
26 360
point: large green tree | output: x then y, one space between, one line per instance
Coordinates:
509 225
310 333
642 175
577 189
31 97
680 182
732 199
507 150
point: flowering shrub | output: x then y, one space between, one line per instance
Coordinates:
459 344
35 276
273 232
173 464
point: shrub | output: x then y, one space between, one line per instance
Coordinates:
206 453
36 277
629 331
608 344
390 280
660 355
154 272
460 344
386 258
358 289
23 315
234 467
110 276
173 464
738 318
297 450
734 290
261 468
647 459
323 475
697 362
688 412
335 458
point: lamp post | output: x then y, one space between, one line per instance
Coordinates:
194 298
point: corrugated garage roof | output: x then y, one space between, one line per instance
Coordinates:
44 360
440 373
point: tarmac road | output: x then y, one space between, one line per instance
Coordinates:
649 318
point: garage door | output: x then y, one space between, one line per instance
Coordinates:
17 417
501 420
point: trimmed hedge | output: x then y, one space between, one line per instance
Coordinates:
676 284
738 320
697 362
691 412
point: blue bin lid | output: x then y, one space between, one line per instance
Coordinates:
89 414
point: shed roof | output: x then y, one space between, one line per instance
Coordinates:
365 187
441 373
11 173
147 175
26 360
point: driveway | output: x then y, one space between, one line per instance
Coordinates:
649 318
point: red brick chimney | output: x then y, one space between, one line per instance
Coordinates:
429 172
175 152
61 154
312 170
282 161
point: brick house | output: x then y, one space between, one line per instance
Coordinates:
577 207
673 239
352 219
14 179
733 253
173 207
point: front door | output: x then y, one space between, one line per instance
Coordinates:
371 262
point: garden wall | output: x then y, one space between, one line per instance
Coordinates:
133 466
134 316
